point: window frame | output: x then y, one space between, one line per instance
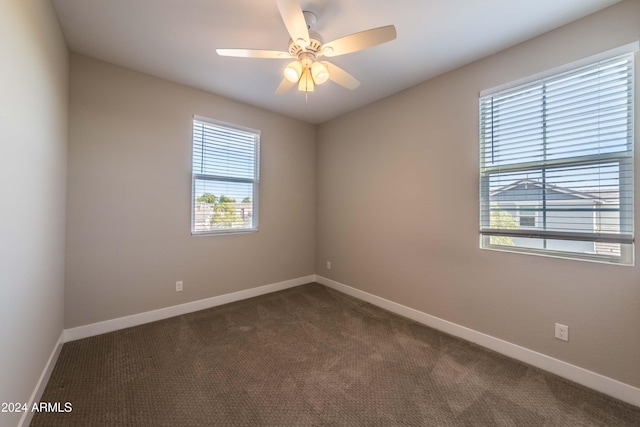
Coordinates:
255 181
626 250
530 214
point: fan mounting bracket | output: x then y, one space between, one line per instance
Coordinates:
310 18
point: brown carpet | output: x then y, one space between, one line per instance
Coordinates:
308 356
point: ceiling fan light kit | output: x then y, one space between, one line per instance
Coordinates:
307 47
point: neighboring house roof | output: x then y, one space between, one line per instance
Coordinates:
531 190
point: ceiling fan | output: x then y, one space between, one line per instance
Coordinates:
307 47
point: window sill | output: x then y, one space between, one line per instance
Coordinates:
224 232
621 261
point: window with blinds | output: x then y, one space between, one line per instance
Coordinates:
556 164
225 177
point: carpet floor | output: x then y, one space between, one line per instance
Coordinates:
308 356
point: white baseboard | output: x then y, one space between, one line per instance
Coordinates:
25 420
606 385
177 310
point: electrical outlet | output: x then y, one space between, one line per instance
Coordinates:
179 286
328 265
562 332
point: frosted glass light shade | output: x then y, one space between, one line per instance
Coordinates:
293 71
306 82
319 73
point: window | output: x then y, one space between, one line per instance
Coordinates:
527 217
225 180
556 164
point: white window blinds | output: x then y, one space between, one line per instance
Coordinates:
556 164
224 178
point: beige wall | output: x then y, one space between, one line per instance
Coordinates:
33 153
398 213
128 226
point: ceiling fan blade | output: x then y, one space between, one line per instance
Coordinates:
340 76
284 87
293 18
359 41
254 53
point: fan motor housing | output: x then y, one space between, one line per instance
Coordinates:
315 43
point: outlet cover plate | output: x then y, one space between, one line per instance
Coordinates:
562 332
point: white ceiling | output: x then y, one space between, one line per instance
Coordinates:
176 40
